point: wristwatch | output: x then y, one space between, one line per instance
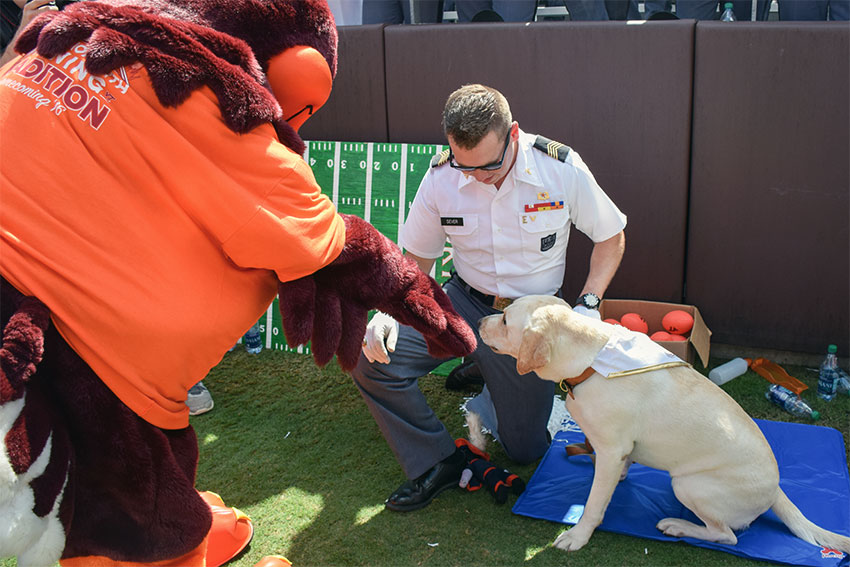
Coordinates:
589 300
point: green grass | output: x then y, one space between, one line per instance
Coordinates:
295 448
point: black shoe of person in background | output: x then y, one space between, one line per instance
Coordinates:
465 376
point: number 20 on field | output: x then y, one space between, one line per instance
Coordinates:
376 165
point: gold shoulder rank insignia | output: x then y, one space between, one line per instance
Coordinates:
553 149
440 159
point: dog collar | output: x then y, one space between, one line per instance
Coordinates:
568 384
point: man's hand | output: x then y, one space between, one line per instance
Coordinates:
593 313
381 328
33 8
330 307
29 11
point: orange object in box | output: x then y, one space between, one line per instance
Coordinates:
696 343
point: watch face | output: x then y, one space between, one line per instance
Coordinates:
589 300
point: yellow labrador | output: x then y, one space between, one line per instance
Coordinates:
673 419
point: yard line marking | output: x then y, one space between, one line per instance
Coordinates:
370 154
337 148
402 188
269 324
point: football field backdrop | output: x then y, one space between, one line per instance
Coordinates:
375 181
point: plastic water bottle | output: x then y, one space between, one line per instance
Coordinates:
253 341
790 402
728 370
828 376
728 15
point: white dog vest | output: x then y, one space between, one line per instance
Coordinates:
628 352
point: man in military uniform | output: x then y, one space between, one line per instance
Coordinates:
506 201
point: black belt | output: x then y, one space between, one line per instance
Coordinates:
493 301
488 300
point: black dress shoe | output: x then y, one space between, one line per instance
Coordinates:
418 493
465 376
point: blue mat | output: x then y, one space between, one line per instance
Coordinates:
812 470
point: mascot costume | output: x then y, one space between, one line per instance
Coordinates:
153 202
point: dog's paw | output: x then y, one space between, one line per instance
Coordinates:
676 527
571 540
672 527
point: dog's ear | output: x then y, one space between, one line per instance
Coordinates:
534 351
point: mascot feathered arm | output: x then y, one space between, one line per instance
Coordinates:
186 44
330 307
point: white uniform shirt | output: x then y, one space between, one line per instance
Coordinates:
510 242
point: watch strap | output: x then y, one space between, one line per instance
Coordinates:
589 300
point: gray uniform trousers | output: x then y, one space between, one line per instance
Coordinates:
412 430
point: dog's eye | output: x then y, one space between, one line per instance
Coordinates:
504 319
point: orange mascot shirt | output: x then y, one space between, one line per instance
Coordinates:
156 236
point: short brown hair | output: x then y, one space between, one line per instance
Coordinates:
474 110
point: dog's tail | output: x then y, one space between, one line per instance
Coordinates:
806 530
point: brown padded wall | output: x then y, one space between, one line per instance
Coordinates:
618 94
356 109
768 236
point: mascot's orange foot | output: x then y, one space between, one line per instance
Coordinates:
230 532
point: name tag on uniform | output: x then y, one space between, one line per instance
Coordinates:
451 221
547 242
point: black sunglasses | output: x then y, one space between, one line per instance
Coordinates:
489 167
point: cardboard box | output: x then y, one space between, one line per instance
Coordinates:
699 339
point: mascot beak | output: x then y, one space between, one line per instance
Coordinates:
301 82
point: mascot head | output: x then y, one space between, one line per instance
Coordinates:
266 60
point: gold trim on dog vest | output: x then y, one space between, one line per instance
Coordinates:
569 384
648 369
